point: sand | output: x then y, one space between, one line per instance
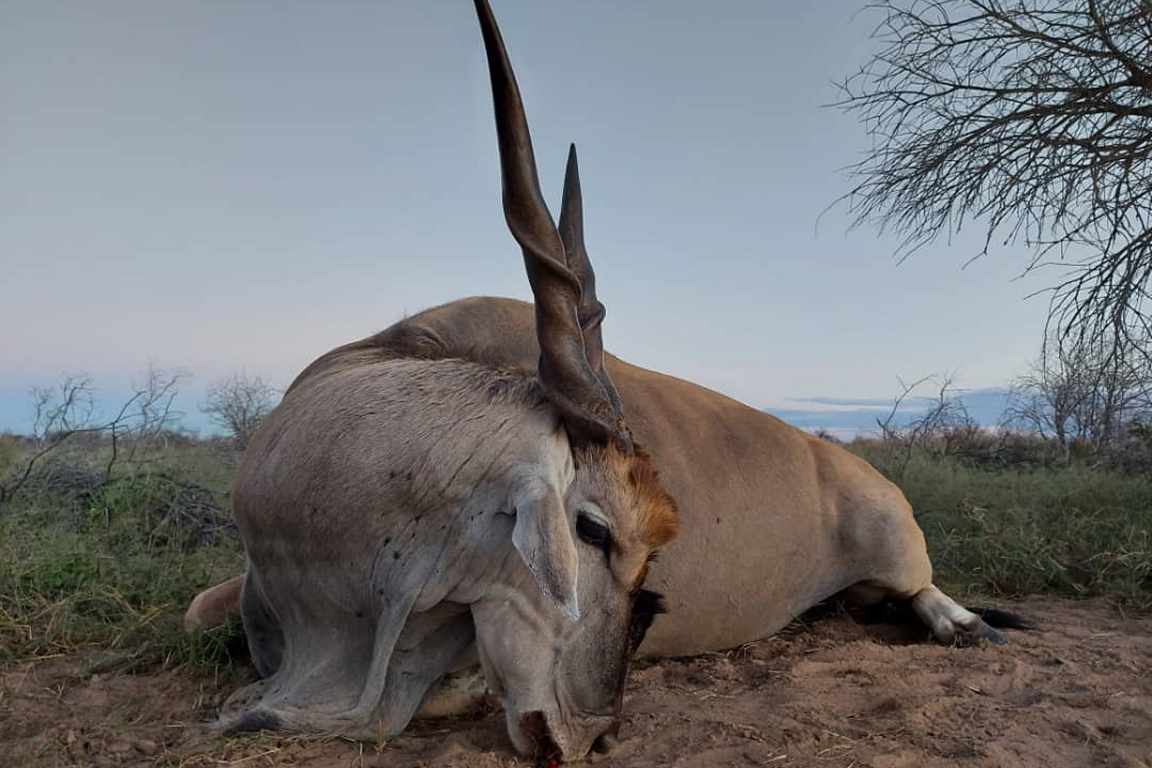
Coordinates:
1074 693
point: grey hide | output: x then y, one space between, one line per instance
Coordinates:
455 450
403 518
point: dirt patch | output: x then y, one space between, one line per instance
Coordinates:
1076 692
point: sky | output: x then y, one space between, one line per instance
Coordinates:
228 186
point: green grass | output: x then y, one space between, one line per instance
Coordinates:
113 568
1074 531
110 566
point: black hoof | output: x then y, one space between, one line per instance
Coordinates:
256 720
973 635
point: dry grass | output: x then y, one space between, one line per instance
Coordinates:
88 562
1076 530
109 567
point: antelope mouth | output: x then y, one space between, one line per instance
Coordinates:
534 726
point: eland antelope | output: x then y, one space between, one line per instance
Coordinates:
463 488
404 511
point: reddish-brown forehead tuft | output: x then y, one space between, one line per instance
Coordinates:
658 523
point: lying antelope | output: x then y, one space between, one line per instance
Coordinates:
463 486
397 512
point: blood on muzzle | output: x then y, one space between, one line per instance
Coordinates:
534 725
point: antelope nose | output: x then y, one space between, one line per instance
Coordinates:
607 741
534 725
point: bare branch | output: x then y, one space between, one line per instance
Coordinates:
943 428
238 404
68 410
1085 391
1033 117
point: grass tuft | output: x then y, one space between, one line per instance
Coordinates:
111 567
108 566
1076 531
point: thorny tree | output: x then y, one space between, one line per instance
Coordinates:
943 427
1032 116
238 404
66 413
1083 391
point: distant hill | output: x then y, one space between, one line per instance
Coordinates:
847 417
841 416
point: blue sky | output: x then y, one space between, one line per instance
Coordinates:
225 186
848 417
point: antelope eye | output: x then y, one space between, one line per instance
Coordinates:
593 533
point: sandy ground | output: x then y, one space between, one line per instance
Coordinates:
1075 693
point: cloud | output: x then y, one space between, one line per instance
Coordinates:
859 415
842 401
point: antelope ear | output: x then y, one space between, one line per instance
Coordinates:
543 539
